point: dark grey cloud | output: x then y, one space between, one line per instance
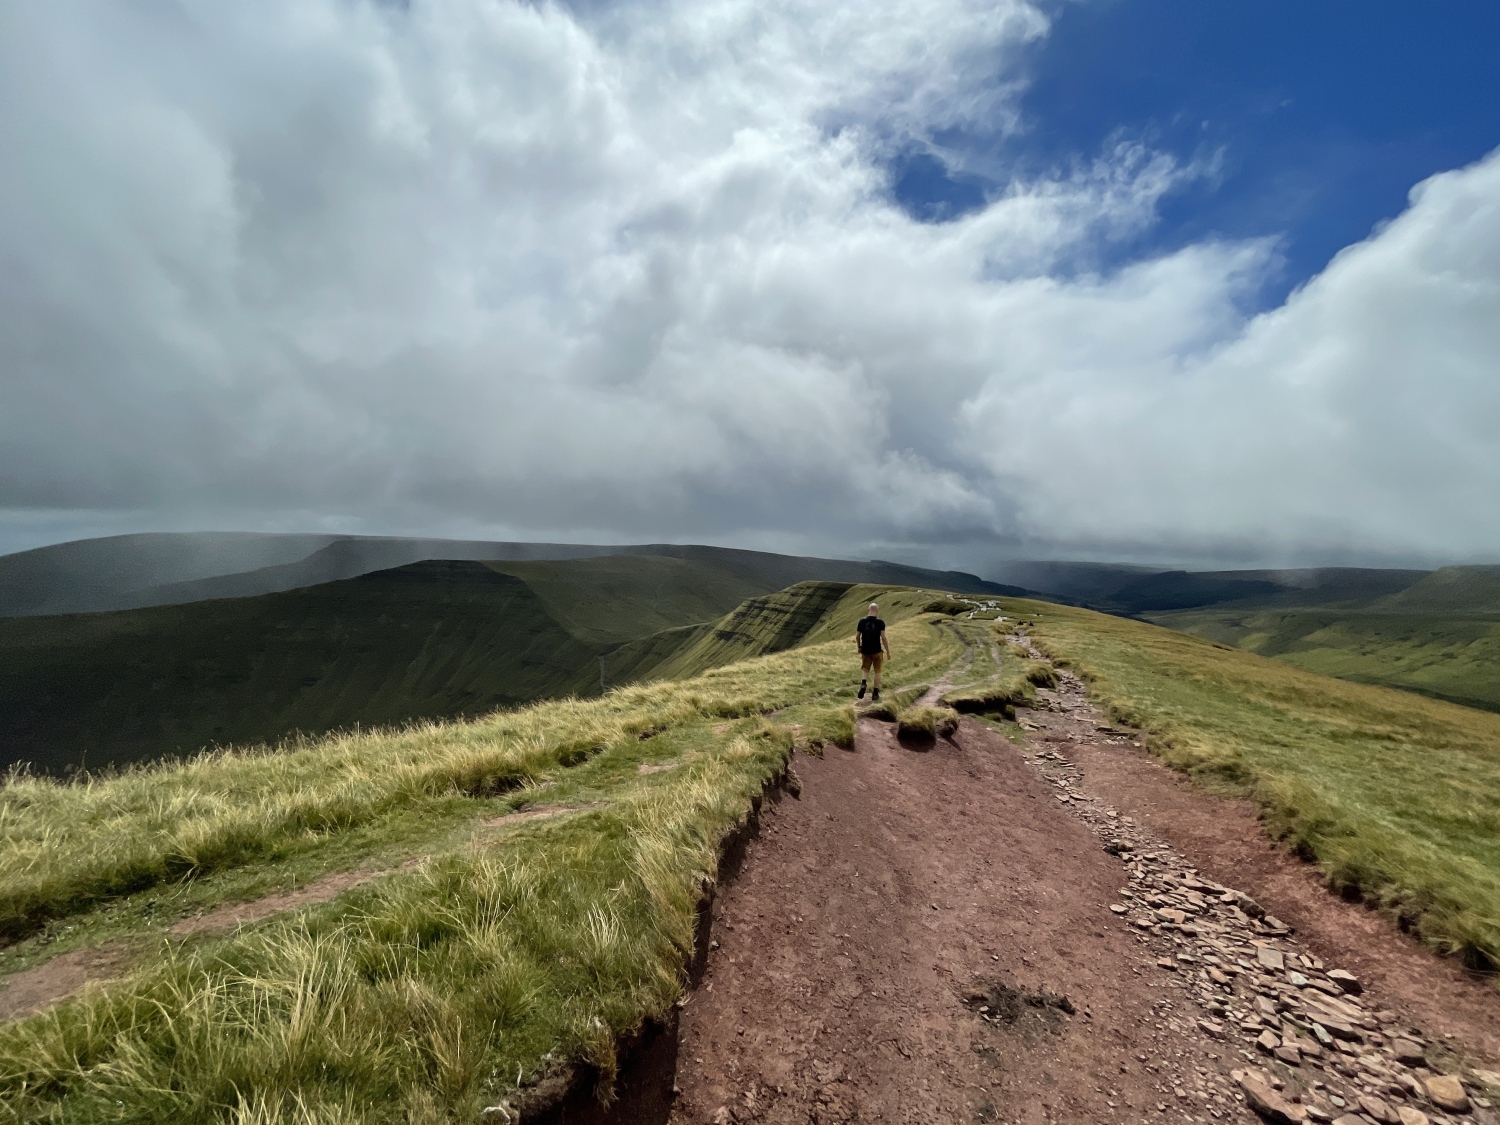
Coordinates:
482 267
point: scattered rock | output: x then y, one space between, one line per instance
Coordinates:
1447 1092
1332 1023
1345 980
1266 1101
1376 1108
1238 966
1248 904
1407 1053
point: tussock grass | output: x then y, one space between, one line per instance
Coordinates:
826 725
892 702
416 1000
926 723
1395 796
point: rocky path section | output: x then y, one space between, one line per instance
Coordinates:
1225 838
975 934
1316 1044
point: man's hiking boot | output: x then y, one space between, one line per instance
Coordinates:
862 684
875 696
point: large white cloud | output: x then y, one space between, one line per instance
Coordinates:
635 270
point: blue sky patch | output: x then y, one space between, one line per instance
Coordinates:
1321 114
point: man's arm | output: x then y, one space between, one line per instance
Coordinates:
886 644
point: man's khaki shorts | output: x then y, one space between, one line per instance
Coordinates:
871 660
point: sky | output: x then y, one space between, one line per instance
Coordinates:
938 280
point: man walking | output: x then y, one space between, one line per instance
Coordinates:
869 638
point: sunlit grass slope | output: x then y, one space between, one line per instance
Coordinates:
1395 795
435 990
807 613
1453 658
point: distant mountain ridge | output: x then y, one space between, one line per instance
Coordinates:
1131 590
173 568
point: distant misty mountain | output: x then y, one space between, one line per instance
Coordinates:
135 571
1131 590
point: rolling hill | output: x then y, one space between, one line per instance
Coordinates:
1439 636
1432 632
439 639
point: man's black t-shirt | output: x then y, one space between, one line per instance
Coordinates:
870 629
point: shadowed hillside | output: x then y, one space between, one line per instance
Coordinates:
438 639
429 640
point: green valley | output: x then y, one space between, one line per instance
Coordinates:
1439 636
439 639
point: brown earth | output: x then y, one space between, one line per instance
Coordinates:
869 917
1225 839
31 990
231 914
870 913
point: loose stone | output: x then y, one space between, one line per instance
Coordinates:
1448 1093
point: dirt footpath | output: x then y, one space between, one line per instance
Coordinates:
927 937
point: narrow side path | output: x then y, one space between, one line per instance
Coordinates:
898 948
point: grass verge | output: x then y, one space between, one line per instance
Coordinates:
1395 796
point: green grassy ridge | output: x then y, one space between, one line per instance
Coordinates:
434 991
428 641
431 640
1451 658
1395 796
170 568
802 614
